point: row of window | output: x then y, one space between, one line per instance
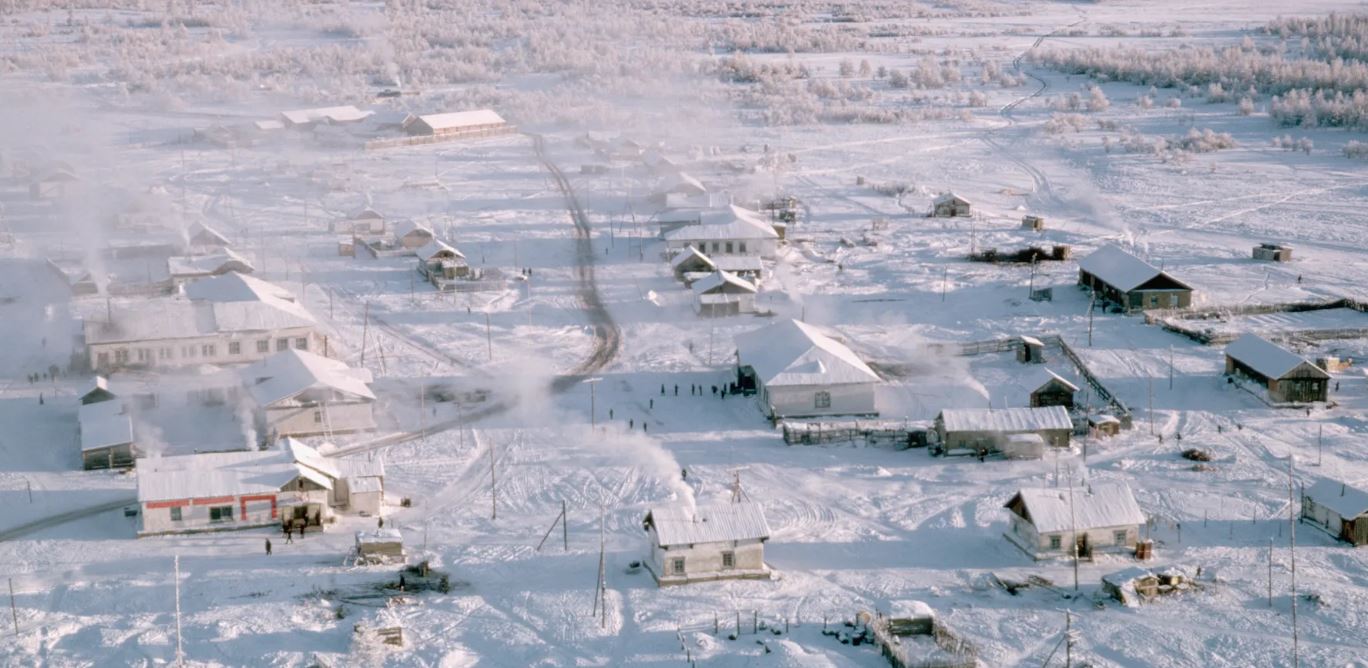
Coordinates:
677 563
1119 537
145 355
718 246
216 514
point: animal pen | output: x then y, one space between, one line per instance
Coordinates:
952 651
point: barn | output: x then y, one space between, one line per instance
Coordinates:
984 430
474 123
798 370
950 205
708 542
1288 377
107 440
1338 508
1048 522
1130 283
722 293
1050 389
298 393
731 230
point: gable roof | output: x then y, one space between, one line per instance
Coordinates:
235 287
405 227
340 114
947 197
462 119
1106 505
365 213
1121 270
718 281
433 248
104 424
1005 419
1267 358
796 353
729 222
215 474
723 522
1344 499
309 457
203 234
290 372
691 256
681 182
1042 377
197 265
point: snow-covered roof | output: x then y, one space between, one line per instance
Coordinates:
717 523
235 287
681 182
434 248
271 124
99 384
365 213
290 372
379 536
692 255
404 227
309 457
1042 377
1120 269
217 474
728 223
169 318
462 119
735 263
718 280
681 215
1106 505
204 265
1026 439
946 198
1267 358
365 485
203 234
331 114
1006 419
796 353
104 424
909 609
1344 499
263 316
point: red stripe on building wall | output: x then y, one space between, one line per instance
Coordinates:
179 503
259 497
212 501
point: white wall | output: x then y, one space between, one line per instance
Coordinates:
800 400
704 561
1103 537
765 248
290 420
176 349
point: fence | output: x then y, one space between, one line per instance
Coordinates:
873 432
437 139
961 653
1123 413
1175 320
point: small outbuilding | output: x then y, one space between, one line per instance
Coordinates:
107 439
722 293
1338 508
1130 283
364 221
187 268
950 205
1273 252
1032 223
1103 426
440 263
708 542
381 546
1289 377
1049 522
1050 389
308 118
411 235
1030 350
985 430
798 370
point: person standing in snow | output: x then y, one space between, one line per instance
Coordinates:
289 533
268 547
380 523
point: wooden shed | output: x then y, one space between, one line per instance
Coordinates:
1130 283
1032 223
1273 252
1050 389
950 205
1289 377
984 430
1339 508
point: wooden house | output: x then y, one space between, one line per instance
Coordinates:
1273 252
1119 278
1049 522
690 265
412 235
798 370
363 221
1135 585
1033 223
474 123
201 239
1048 388
440 263
950 205
1030 350
298 393
107 439
185 268
707 542
1288 377
731 230
1103 426
722 293
1338 508
984 430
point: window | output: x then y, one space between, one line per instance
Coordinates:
1154 300
677 565
821 400
175 514
282 344
121 356
728 560
264 346
164 353
1054 542
302 343
318 417
1120 537
1173 300
102 360
729 246
221 514
144 355
187 351
741 247
717 247
208 350
234 348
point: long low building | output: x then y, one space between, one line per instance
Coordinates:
1050 522
1130 283
731 230
457 123
985 430
1288 377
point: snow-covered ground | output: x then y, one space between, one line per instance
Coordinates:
855 527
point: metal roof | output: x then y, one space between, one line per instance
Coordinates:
682 525
796 353
1120 269
719 280
1266 358
1105 505
1006 419
462 119
1344 499
215 474
729 223
290 372
104 424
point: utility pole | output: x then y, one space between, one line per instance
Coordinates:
1073 530
1151 404
1170 366
489 339
1270 571
945 279
14 612
365 329
565 529
493 486
180 648
593 409
1320 449
1030 291
1092 303
1068 639
1292 523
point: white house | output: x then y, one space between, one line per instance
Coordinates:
186 268
711 542
478 122
1046 522
298 393
289 483
731 230
950 205
797 370
690 265
365 221
1338 508
106 429
308 118
723 293
233 322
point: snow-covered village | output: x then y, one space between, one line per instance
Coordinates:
853 333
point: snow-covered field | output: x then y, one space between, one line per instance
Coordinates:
855 527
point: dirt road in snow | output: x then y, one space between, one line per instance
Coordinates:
63 518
